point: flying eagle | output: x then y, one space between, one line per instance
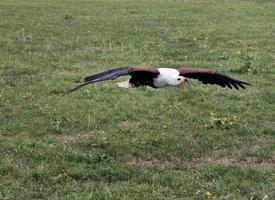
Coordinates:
161 77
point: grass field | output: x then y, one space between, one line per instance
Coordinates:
102 142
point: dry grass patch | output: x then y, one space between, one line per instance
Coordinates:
245 156
72 139
248 162
153 163
129 124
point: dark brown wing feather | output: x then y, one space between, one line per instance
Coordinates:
207 76
149 70
142 76
134 71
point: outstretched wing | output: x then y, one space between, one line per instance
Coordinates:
113 74
207 76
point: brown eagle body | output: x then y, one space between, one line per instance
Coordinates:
161 77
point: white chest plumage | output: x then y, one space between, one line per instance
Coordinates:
167 77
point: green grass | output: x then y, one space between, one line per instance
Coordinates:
103 142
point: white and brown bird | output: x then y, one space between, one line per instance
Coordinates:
161 77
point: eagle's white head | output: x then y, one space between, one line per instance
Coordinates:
169 77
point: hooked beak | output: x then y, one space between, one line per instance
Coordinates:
184 81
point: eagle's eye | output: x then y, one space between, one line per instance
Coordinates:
179 79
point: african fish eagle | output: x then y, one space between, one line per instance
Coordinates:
161 77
